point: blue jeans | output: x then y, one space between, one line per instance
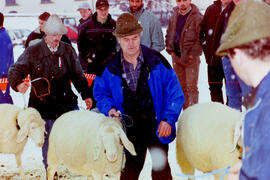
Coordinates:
235 87
48 128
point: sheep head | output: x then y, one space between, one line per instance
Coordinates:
31 124
111 136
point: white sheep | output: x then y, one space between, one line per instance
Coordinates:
205 138
16 124
89 144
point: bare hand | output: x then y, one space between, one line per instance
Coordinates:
23 87
114 113
89 60
190 57
164 129
89 103
234 172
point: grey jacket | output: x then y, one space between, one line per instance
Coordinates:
152 35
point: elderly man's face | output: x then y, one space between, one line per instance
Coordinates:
85 13
53 39
183 5
41 24
135 5
130 44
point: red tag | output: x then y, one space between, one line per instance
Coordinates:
59 62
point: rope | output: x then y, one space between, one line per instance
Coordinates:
124 125
226 171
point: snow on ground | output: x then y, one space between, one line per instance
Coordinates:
32 158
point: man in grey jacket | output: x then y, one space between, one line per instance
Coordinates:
152 35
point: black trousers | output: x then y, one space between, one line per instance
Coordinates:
143 140
215 78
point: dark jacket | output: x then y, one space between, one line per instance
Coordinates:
59 69
36 36
189 42
208 27
97 42
256 147
221 27
82 21
168 97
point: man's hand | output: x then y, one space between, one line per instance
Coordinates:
114 113
234 171
89 60
164 129
22 88
89 103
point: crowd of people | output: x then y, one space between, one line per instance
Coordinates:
133 78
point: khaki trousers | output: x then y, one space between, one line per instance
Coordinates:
188 74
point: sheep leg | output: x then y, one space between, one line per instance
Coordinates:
51 172
97 176
185 166
117 176
19 164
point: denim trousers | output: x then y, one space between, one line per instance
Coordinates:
235 87
48 128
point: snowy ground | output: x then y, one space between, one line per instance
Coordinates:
32 159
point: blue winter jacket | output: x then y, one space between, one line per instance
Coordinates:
256 158
167 94
6 59
6 52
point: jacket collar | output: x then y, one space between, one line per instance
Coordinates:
256 93
150 59
94 18
46 51
2 29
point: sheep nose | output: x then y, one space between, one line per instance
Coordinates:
112 157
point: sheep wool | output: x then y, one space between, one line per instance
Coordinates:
78 140
205 137
16 124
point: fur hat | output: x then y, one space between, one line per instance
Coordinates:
54 25
248 22
102 3
83 5
127 24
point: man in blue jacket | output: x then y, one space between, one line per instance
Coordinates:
140 83
6 59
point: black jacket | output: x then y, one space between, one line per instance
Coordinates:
208 26
37 34
221 26
97 42
59 68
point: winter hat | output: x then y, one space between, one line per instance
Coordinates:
248 22
83 5
44 16
127 24
54 25
102 3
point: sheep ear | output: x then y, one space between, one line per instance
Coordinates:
23 132
126 142
97 148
